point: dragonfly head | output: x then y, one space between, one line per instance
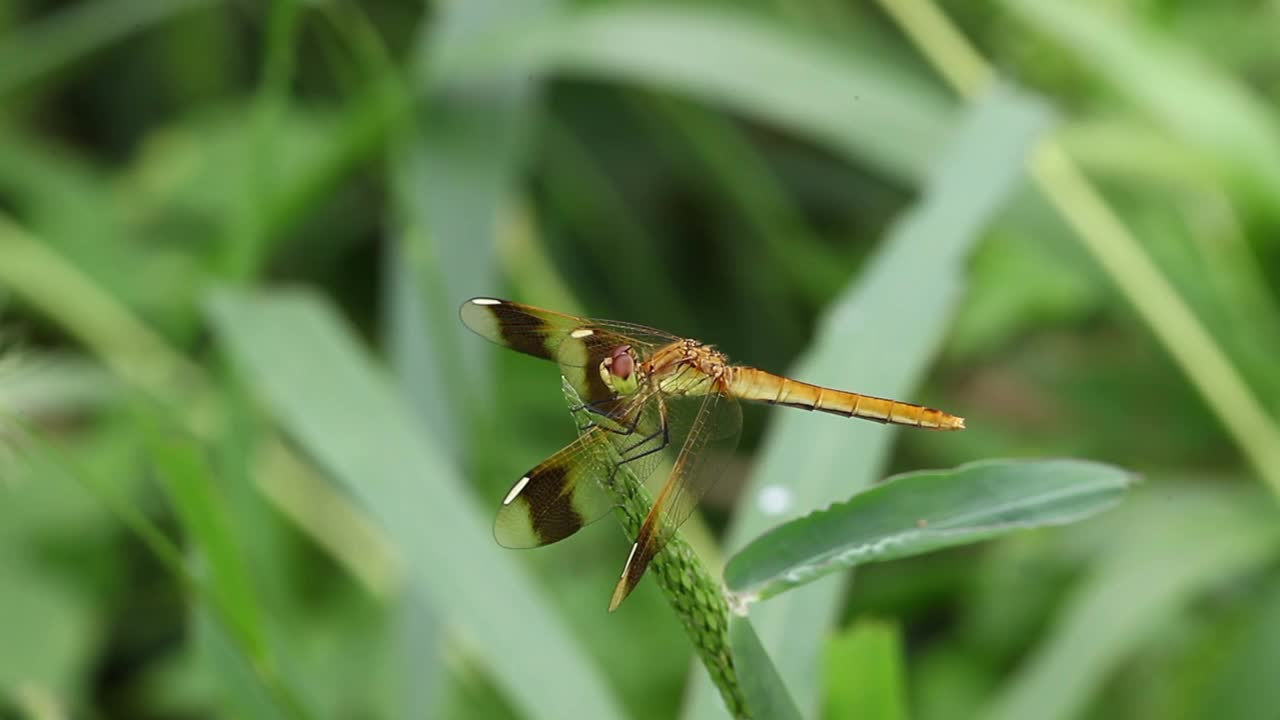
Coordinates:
618 370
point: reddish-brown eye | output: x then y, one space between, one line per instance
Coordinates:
622 364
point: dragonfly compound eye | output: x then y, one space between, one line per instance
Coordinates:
622 364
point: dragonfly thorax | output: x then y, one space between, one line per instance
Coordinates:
687 367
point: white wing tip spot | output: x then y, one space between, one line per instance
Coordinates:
515 490
630 556
582 332
485 301
774 500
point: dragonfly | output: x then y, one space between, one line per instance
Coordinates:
644 396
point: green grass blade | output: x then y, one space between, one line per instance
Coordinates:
192 490
1236 679
901 306
865 677
766 696
921 512
737 60
243 251
41 48
453 179
1178 89
1180 542
327 394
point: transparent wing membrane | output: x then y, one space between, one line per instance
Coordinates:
566 492
703 432
577 344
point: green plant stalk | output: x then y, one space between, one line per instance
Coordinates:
694 594
1106 237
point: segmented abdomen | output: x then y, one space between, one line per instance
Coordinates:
753 384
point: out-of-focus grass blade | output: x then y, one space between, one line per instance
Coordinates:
244 249
239 695
864 674
1179 89
46 385
803 82
920 512
453 180
191 488
1236 679
766 695
78 29
328 395
47 630
879 339
450 185
418 370
1183 541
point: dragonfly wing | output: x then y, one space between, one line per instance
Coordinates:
566 492
540 333
579 345
706 431
557 498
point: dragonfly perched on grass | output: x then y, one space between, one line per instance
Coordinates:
645 395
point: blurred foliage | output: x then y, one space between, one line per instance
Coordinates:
724 171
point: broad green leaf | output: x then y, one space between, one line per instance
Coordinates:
820 90
864 673
920 512
878 338
1180 542
765 694
326 392
1179 89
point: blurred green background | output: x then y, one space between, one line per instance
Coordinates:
234 235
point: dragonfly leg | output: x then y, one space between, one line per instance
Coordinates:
624 431
593 406
666 440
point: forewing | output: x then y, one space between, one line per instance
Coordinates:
541 333
706 431
579 345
